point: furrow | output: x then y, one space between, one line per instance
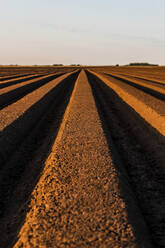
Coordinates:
13 77
159 93
141 150
157 86
77 201
155 109
23 89
18 80
23 83
23 169
26 111
148 80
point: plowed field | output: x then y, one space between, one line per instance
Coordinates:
82 157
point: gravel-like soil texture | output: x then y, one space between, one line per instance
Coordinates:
158 83
10 85
14 71
153 90
28 141
149 107
156 73
141 149
18 80
12 112
78 202
82 157
13 117
26 87
13 77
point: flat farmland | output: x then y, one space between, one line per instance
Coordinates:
82 157
149 72
15 71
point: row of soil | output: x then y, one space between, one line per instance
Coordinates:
154 91
152 73
78 201
152 102
16 71
13 111
146 78
12 115
34 133
14 76
13 93
158 86
14 84
17 80
141 151
152 81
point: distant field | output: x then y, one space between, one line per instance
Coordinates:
20 70
153 72
82 156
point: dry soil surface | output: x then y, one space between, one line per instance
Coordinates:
78 202
81 160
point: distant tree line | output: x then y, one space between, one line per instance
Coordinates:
142 64
75 65
57 64
63 65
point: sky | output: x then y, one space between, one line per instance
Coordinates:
88 32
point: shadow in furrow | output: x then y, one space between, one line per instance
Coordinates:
30 148
14 76
149 81
147 90
14 95
17 81
138 155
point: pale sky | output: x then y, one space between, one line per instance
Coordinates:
93 32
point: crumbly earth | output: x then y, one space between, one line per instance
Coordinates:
77 202
22 83
152 73
25 145
151 109
15 110
152 102
103 184
139 145
157 87
148 81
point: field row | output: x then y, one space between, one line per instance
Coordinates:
14 71
156 73
82 160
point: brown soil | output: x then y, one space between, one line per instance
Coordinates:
155 90
147 80
78 198
13 77
15 71
141 149
150 105
153 73
16 83
82 165
7 83
34 132
12 112
14 93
